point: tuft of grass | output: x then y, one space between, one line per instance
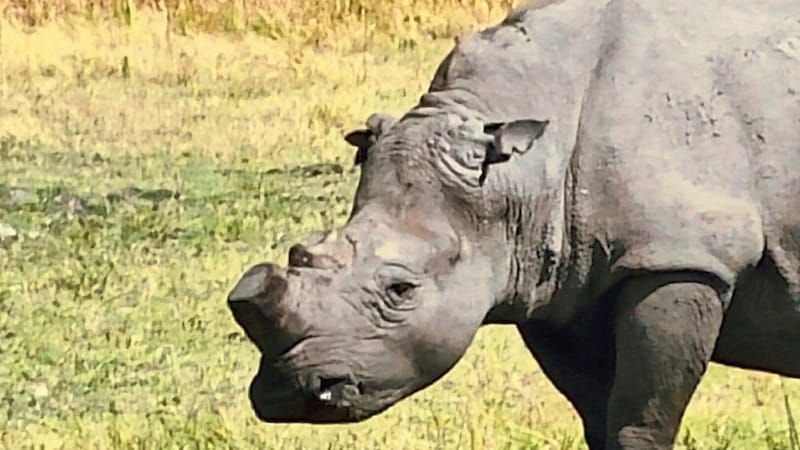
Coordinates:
144 166
794 437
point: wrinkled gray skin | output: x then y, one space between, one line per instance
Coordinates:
619 179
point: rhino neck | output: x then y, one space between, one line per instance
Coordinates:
531 216
537 63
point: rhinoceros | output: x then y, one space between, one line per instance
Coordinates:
619 179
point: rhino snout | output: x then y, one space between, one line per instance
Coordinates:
262 281
257 304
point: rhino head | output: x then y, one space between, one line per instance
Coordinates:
366 315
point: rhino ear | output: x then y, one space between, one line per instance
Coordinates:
363 139
516 136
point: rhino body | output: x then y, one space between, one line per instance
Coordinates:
619 179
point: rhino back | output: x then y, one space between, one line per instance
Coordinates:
689 135
536 63
676 127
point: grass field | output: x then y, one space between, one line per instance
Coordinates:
142 171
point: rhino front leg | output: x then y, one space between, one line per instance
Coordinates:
579 361
666 327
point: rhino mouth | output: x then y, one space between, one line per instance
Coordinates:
337 390
323 399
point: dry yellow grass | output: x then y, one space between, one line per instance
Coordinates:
149 358
66 46
319 22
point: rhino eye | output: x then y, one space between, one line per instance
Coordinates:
402 290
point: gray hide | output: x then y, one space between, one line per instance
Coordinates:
617 178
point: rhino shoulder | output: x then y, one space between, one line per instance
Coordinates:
687 227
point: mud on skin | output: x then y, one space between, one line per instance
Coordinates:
614 178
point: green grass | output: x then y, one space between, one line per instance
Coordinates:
141 191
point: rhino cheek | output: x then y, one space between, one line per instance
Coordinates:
447 328
442 348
